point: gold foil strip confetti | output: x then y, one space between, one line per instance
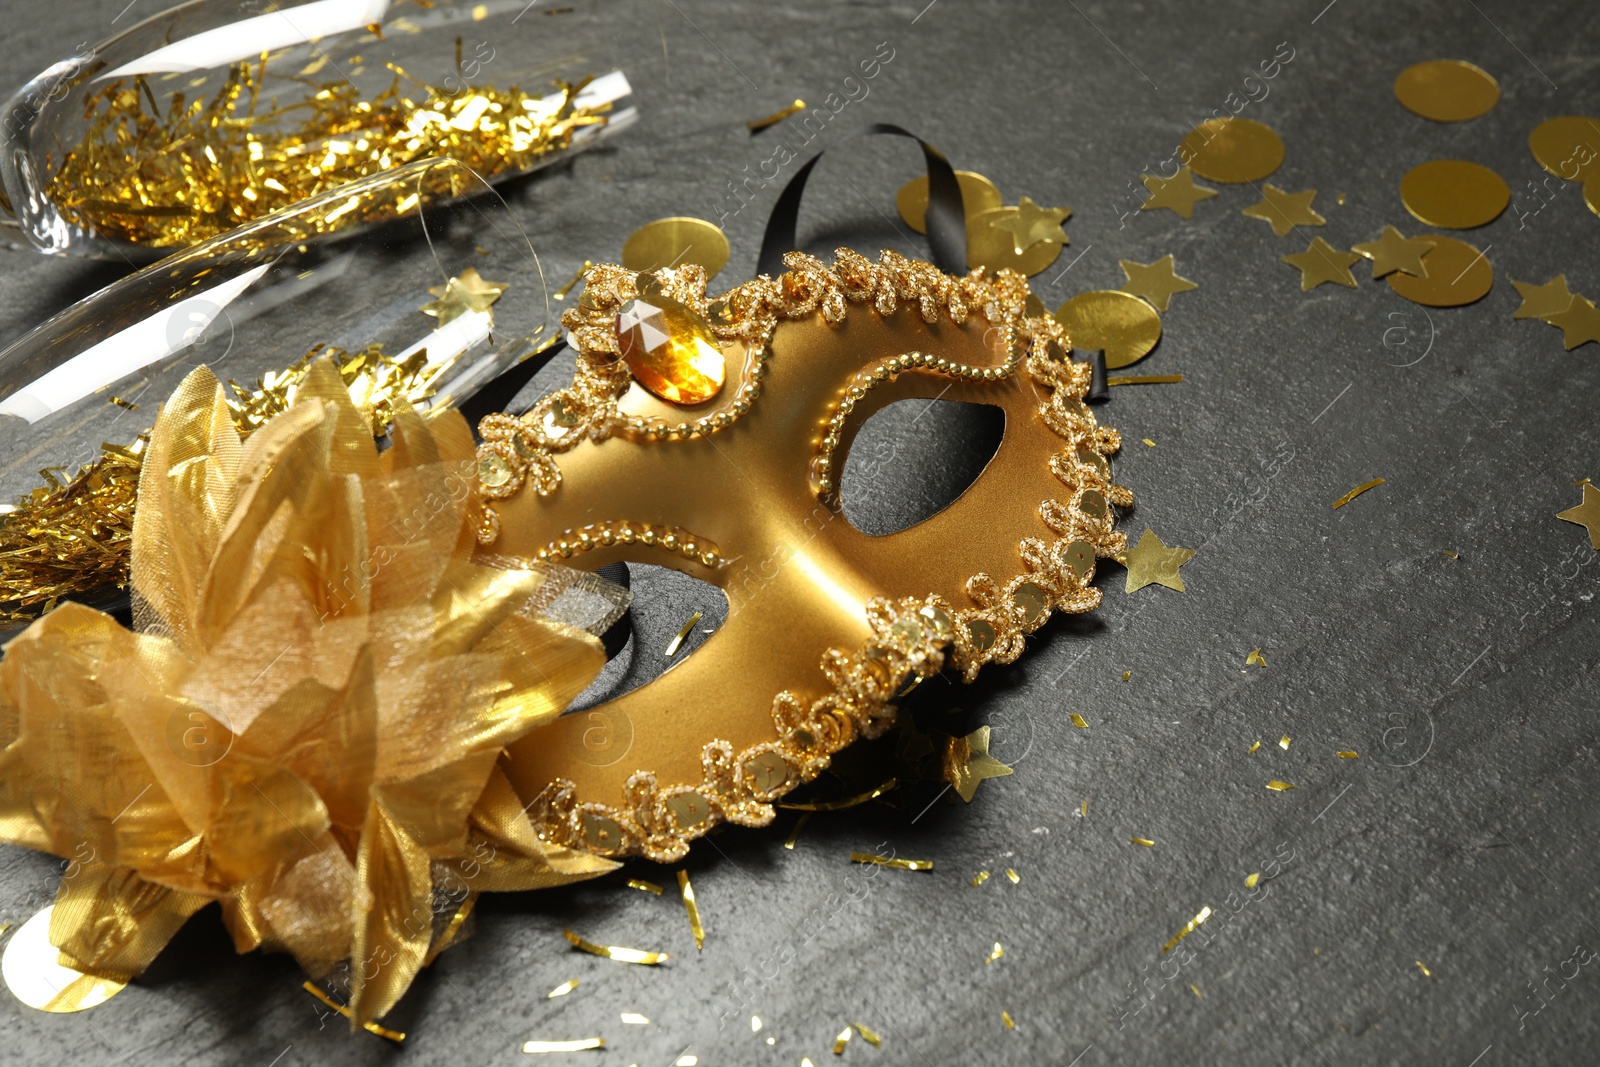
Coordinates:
693 908
1078 721
1149 442
1145 841
686 1060
1348 754
1196 991
1250 880
1278 786
1255 659
847 802
1126 675
1144 379
633 1018
563 989
891 861
369 1027
641 884
1357 491
448 938
1190 927
1083 809
683 634
757 125
1010 1023
616 952
794 835
1452 553
582 1044
1013 875
842 1040
805 1061
561 293
1284 742
126 405
1424 969
979 878
868 1035
755 1024
995 953
1254 747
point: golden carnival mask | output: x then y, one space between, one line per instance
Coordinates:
707 435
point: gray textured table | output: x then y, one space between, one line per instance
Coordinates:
1412 896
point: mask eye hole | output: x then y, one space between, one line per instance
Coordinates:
663 601
914 458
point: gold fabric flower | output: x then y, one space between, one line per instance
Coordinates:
307 723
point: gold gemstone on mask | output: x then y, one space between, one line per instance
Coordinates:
1033 601
689 809
601 834
670 349
1080 557
981 633
766 773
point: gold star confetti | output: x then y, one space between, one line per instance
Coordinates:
1278 786
563 989
1348 754
1189 928
615 952
1586 514
967 762
1579 324
1033 225
1395 252
693 908
1542 301
1320 263
1145 841
1178 193
1013 876
1283 742
1156 282
995 953
467 291
979 878
1255 659
1250 880
1284 211
536 1048
1153 562
1357 491
1078 721
892 861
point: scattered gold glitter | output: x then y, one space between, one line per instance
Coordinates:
967 762
1278 786
369 1027
468 291
34 974
563 989
1152 562
561 293
1283 742
1348 754
691 906
207 166
1178 193
1005 1017
979 878
1013 876
1453 194
675 242
648 887
683 634
1357 491
1457 274
1542 301
890 861
633 1018
1586 514
1254 747
1567 146
1145 379
978 194
1284 211
1394 251
1077 720
583 1044
1156 282
794 835
1232 149
614 952
1321 263
757 125
1255 659
1189 928
1579 324
1145 841
1109 320
995 953
1447 90
1032 225
847 802
1251 880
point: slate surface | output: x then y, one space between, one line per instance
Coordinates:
1462 838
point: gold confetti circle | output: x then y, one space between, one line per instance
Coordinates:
1447 90
35 977
1119 324
675 241
993 248
1457 274
1453 194
1568 146
1232 150
978 194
